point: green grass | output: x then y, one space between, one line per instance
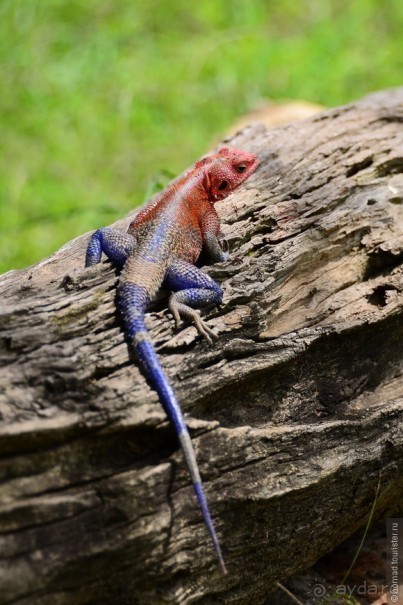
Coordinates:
100 97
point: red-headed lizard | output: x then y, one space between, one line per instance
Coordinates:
159 250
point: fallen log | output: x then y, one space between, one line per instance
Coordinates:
296 413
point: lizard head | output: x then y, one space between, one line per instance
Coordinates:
226 170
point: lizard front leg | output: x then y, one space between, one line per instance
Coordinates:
212 237
193 290
115 245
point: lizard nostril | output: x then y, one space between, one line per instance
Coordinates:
223 185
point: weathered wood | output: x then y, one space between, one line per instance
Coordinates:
295 413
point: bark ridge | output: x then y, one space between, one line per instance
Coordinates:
296 413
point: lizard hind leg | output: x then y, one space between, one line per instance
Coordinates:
117 246
192 290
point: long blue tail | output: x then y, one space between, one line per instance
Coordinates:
133 301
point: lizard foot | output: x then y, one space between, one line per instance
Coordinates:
180 309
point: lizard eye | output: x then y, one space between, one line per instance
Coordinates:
222 185
241 168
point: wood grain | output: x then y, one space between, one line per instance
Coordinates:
295 413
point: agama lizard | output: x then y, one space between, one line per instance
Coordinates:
160 249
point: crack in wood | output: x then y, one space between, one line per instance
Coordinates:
294 414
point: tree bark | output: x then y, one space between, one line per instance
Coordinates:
296 413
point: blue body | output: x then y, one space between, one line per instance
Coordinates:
192 288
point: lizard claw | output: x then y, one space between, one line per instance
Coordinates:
204 330
201 326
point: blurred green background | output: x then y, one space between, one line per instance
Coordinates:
102 100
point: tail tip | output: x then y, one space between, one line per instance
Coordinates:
223 567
